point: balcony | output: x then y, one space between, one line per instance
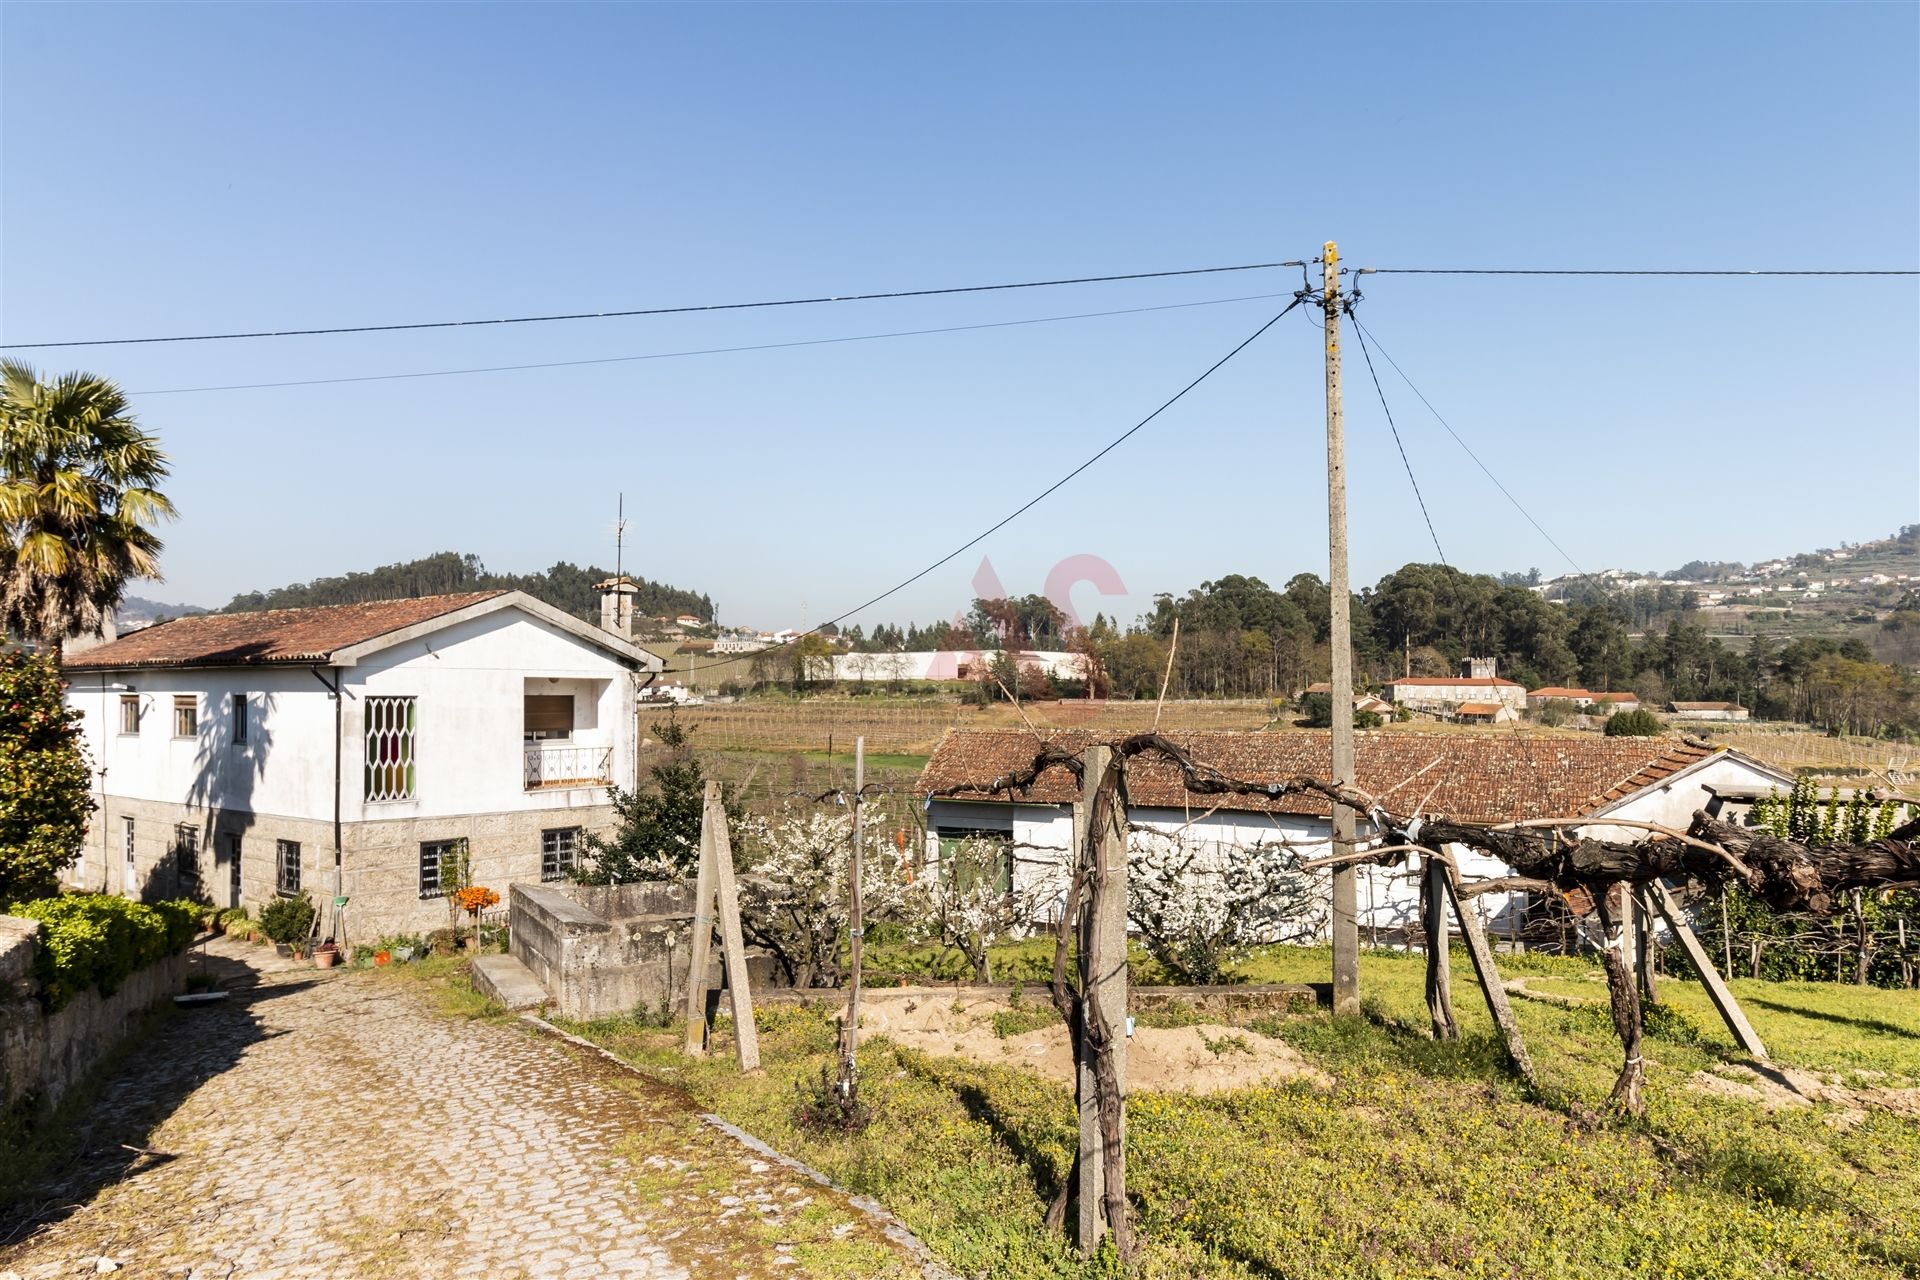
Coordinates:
563 764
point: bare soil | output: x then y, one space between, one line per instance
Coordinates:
1203 1058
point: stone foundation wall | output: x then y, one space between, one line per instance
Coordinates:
42 1054
382 872
380 861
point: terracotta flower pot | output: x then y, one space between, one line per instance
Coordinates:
381 958
325 957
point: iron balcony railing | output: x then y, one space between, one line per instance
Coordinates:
565 765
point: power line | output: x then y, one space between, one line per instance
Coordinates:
1555 271
652 311
705 351
1038 498
1388 357
1404 461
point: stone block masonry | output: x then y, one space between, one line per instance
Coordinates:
42 1054
379 869
604 950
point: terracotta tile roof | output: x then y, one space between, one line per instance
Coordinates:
274 635
1560 691
1460 682
1476 778
1480 708
1706 706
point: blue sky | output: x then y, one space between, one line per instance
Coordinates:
180 169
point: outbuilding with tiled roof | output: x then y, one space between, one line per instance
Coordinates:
1488 778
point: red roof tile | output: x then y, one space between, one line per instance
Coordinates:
1480 708
1475 778
274 635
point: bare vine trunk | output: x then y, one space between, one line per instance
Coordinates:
1613 906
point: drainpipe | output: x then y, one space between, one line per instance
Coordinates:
338 724
106 835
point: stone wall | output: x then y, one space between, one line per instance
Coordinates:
42 1054
380 861
604 950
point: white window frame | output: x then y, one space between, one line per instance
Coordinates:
129 702
189 703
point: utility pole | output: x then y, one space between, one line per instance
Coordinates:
1346 926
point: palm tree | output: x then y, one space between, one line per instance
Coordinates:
78 498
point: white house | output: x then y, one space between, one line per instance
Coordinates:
1583 699
1477 778
1444 694
352 750
1707 711
949 664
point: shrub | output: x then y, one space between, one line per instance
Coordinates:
44 804
92 941
288 919
1634 724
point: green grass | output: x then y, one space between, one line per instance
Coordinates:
1424 1159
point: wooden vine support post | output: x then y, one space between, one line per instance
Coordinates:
715 881
1100 840
1480 951
1433 920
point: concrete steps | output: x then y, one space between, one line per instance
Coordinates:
505 980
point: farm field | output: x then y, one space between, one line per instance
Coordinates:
1419 1159
902 732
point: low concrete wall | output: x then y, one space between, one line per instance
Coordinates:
604 950
42 1054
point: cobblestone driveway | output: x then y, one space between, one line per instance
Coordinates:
338 1125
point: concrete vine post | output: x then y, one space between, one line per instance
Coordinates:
700 945
850 1029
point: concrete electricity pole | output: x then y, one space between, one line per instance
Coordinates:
1346 927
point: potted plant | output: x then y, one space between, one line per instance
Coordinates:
326 955
382 958
474 899
288 921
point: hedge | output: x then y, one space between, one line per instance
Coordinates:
92 941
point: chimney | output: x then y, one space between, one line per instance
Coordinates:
616 605
1478 668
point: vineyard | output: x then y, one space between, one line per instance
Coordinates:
916 727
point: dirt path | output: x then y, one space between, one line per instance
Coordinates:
337 1125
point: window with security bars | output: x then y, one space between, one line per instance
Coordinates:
186 854
186 716
558 849
130 713
391 724
440 867
286 860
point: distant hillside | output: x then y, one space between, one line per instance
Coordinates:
136 612
565 586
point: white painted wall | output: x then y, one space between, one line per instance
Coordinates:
1388 896
945 664
285 767
470 679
